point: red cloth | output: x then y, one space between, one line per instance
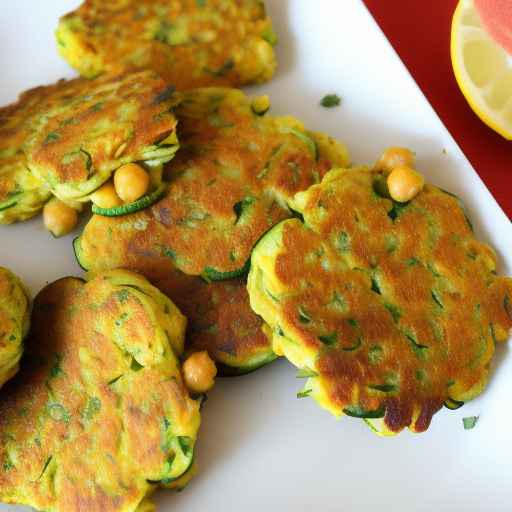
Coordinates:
425 50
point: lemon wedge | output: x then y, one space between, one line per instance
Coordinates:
483 69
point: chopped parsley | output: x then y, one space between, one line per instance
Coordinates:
330 101
470 422
304 394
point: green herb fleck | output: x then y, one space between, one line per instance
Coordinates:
508 306
46 464
437 299
186 444
240 207
375 354
384 388
56 369
200 3
394 311
270 36
168 252
51 137
58 412
97 106
135 365
329 339
8 465
304 394
375 286
470 422
123 295
165 95
342 243
228 65
330 101
121 320
304 318
396 210
92 408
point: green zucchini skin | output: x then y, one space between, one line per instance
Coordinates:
77 249
259 112
358 412
453 405
125 209
9 203
210 274
224 370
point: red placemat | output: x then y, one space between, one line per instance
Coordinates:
420 33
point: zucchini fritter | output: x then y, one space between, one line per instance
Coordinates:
390 309
81 138
98 415
190 43
14 322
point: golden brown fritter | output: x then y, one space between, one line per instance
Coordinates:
391 309
14 322
220 321
98 416
22 195
82 137
190 43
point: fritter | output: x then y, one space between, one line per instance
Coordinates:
81 138
14 322
390 309
190 43
228 185
220 321
98 416
21 195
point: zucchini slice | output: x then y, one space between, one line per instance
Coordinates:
225 370
125 209
77 249
453 404
10 202
211 274
358 412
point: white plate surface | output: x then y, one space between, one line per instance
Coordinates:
260 448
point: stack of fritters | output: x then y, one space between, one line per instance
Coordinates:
228 185
70 137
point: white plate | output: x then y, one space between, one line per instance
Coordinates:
260 448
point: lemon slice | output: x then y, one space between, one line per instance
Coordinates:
483 69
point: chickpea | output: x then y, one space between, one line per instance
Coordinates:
395 157
59 218
131 182
106 196
260 105
199 372
404 183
